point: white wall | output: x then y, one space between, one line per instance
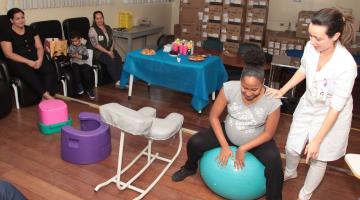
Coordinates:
159 14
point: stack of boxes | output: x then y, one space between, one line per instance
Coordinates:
303 22
278 42
211 21
191 15
232 25
256 17
230 21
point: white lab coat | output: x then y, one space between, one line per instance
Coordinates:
337 77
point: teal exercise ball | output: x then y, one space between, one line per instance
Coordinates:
244 184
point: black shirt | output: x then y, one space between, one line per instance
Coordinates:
23 45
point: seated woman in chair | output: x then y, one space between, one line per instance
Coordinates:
250 124
25 55
100 36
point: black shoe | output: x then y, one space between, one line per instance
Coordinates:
91 94
182 174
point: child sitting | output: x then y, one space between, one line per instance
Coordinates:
82 71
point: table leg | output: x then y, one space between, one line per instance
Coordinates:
144 42
271 76
131 81
129 45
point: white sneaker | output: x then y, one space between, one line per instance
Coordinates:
290 176
117 84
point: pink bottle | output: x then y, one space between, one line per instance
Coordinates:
183 50
175 47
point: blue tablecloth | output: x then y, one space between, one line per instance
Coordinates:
197 78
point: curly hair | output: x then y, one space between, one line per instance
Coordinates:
254 60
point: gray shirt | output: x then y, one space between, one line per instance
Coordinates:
81 50
245 122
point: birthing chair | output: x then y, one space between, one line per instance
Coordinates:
142 123
353 161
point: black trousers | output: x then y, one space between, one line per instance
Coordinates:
41 80
268 154
113 66
83 75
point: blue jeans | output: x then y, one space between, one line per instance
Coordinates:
9 192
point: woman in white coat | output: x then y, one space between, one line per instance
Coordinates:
322 119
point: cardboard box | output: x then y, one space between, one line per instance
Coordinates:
256 15
192 4
254 32
215 12
213 30
302 32
190 15
263 2
236 3
232 47
235 14
177 30
230 32
283 40
304 19
191 31
259 15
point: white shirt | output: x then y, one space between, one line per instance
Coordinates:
330 87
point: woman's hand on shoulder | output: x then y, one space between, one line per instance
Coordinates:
274 93
223 156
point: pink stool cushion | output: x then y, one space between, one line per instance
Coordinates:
52 112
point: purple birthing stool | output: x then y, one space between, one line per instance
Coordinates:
90 144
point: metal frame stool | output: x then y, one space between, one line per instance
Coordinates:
143 123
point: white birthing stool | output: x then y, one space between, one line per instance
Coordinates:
142 122
353 161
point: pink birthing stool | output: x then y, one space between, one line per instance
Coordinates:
52 111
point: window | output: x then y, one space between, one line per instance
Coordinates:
39 4
146 1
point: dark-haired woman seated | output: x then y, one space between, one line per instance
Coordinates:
250 124
101 38
25 55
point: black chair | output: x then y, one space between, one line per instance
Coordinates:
52 29
48 29
82 25
213 43
163 40
5 92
